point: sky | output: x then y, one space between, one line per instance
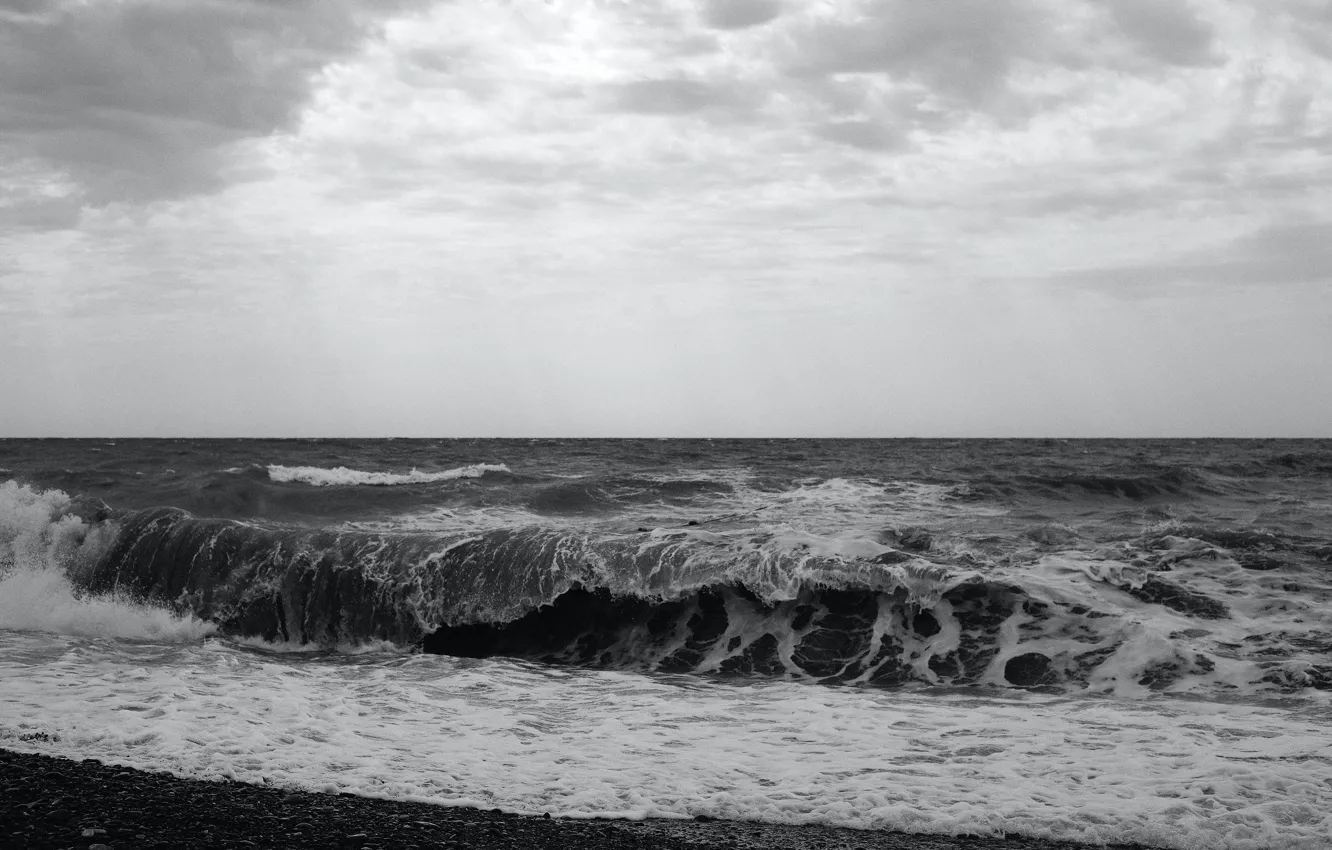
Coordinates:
666 218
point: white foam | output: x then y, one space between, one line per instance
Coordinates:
579 743
43 600
29 531
342 476
1243 648
39 545
371 647
457 521
840 500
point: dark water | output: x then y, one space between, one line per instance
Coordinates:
1120 566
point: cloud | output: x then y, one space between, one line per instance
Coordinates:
1277 254
143 99
740 14
1310 21
866 135
960 50
21 8
663 97
1167 32
677 96
1051 182
1298 252
30 201
1096 201
26 211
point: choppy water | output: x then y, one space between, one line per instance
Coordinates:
1095 640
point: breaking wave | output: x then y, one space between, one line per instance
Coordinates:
342 476
43 539
1181 607
685 601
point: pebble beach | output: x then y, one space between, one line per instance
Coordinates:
48 802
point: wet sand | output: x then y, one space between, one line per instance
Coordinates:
57 803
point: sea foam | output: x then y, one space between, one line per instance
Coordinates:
579 743
40 545
343 476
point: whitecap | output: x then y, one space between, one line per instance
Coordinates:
341 475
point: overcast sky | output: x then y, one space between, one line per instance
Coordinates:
666 217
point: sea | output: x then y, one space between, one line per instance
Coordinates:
1088 640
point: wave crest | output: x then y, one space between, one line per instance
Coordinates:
679 601
343 476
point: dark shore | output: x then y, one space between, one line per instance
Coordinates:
57 803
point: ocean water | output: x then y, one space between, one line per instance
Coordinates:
1088 640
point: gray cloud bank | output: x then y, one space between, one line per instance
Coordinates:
1281 253
140 100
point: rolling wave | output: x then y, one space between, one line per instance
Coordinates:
341 476
676 601
1180 606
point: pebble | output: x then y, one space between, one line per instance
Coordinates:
188 814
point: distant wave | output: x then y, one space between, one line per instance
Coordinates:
342 476
1168 482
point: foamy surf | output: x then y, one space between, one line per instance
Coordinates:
44 601
40 547
579 743
341 476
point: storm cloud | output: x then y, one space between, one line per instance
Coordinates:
140 100
876 217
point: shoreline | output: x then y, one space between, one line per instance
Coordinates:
53 802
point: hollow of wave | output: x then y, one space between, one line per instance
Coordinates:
660 602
